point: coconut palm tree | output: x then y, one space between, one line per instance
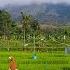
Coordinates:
26 20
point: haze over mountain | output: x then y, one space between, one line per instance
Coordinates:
43 12
27 2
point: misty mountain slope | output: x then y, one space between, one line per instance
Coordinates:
44 12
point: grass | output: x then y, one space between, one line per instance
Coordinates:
44 61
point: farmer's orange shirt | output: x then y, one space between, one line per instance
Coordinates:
12 65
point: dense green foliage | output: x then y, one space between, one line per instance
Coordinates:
5 23
30 31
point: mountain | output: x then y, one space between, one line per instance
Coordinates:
43 12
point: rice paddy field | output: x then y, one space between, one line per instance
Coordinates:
43 61
28 60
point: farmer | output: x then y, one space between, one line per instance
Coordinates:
12 63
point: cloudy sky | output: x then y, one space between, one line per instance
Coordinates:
5 2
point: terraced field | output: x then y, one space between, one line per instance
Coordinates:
43 61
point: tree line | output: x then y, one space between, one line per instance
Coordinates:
27 27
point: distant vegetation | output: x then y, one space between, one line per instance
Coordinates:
29 31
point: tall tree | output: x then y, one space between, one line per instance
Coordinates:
35 29
26 20
5 23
